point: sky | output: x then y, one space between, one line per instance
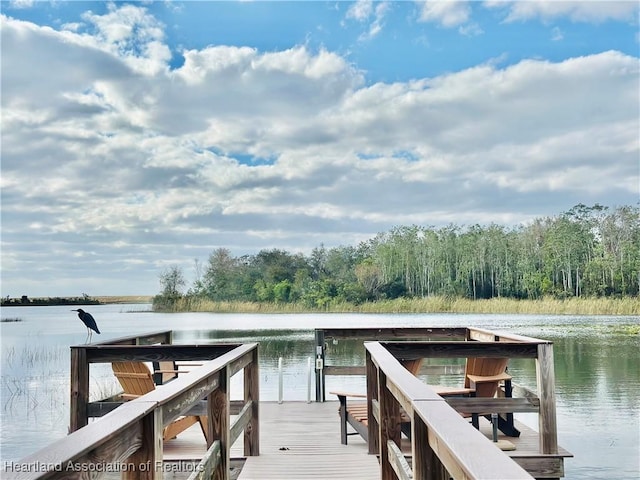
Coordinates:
137 136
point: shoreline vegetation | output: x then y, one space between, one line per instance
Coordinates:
25 301
434 304
545 306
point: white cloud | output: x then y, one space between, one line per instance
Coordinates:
449 13
582 11
21 3
159 160
363 10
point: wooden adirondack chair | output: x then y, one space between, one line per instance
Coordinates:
482 379
136 380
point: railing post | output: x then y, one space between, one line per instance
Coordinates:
372 394
320 395
280 380
218 423
545 378
79 388
389 427
146 462
309 379
420 450
252 394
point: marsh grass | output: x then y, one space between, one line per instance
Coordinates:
440 304
125 299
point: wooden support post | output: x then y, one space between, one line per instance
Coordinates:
252 394
545 377
420 451
372 394
426 464
146 462
218 424
389 428
319 356
79 389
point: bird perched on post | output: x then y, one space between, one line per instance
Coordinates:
89 321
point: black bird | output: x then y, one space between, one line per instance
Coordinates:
89 321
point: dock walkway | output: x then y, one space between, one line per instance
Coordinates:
298 441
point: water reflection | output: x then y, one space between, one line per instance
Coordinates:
597 370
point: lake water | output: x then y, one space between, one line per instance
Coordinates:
597 369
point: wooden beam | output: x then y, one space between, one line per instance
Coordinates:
252 395
372 397
425 369
102 444
146 461
208 464
488 335
218 425
389 431
399 463
434 333
546 392
463 450
154 353
160 337
414 350
241 421
79 389
493 405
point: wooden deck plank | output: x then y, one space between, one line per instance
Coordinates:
309 433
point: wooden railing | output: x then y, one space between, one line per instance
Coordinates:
323 335
443 444
128 439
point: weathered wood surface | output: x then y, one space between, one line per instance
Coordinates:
252 397
322 439
397 461
414 350
460 448
489 335
108 442
132 434
463 450
545 378
153 353
429 333
301 441
424 369
150 338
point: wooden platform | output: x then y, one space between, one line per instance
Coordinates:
310 433
300 440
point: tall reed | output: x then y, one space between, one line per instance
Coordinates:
435 304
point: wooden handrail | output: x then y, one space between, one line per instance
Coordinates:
129 438
150 338
441 438
84 355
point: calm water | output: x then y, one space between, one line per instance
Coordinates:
597 370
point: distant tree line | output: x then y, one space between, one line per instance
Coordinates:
586 251
24 300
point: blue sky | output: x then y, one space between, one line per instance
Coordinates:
139 135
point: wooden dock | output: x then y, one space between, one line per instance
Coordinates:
248 439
